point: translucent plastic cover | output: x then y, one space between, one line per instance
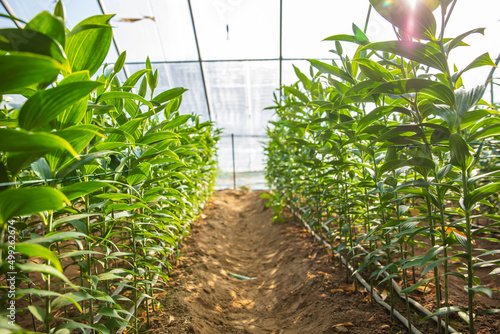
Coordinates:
247 48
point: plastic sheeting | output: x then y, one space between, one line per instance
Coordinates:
239 43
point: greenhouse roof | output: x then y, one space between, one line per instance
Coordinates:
232 55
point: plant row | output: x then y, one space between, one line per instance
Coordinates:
99 180
389 156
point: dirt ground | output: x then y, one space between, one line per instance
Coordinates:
296 289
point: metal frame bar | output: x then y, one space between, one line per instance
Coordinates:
10 11
281 47
200 60
115 43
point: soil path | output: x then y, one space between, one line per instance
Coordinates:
296 287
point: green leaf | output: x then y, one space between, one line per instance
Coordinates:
400 87
20 70
70 298
74 114
444 171
431 4
22 141
46 105
431 253
359 35
482 60
102 328
342 37
4 176
466 100
481 193
461 238
432 265
83 188
458 40
120 62
19 40
446 113
421 53
143 88
415 286
415 18
489 311
157 136
169 94
69 327
55 237
79 253
79 136
489 131
297 93
330 69
179 120
109 312
123 95
59 10
112 274
132 80
37 292
389 166
399 131
60 221
117 196
28 201
427 164
49 25
13 18
303 78
41 169
125 207
375 115
82 161
42 268
34 250
373 70
139 173
338 48
38 312
125 131
86 49
459 151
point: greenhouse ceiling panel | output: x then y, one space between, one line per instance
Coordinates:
233 55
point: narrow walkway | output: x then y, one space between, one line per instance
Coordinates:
296 288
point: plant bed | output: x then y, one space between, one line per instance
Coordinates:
386 149
99 179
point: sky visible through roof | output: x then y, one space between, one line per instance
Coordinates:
239 43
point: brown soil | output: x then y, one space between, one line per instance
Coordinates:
298 288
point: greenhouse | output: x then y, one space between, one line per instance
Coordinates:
236 166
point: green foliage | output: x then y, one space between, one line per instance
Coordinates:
92 176
387 158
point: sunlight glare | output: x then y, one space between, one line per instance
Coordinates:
413 3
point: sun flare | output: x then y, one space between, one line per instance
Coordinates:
413 3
